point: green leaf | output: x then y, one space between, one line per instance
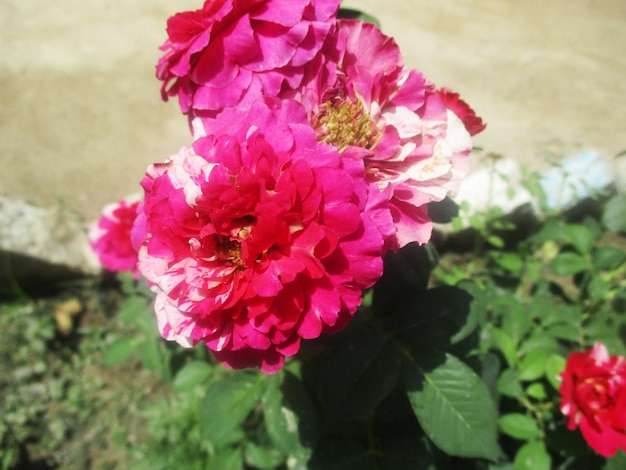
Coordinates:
508 384
357 15
564 331
617 462
227 403
519 426
608 257
504 343
581 237
533 365
227 459
567 264
453 406
532 456
511 262
261 457
193 373
496 241
555 364
290 416
120 350
537 391
154 356
614 216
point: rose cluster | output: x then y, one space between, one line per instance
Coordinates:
315 151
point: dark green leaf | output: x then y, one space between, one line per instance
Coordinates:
120 350
532 456
227 403
227 459
519 426
358 373
193 373
564 331
290 416
357 15
342 454
608 257
614 216
567 264
453 406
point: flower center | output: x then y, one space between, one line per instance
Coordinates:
229 250
344 123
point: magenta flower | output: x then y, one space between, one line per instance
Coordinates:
110 238
231 51
259 236
366 103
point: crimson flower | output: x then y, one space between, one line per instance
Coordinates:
594 398
230 51
259 237
364 101
110 238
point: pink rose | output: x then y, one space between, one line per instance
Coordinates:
366 103
594 398
231 51
111 237
259 237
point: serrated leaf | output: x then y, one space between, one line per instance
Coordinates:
568 264
519 426
120 350
453 406
193 373
532 456
614 216
227 403
290 417
564 331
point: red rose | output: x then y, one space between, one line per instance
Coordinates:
594 398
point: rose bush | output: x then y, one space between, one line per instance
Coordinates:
594 398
